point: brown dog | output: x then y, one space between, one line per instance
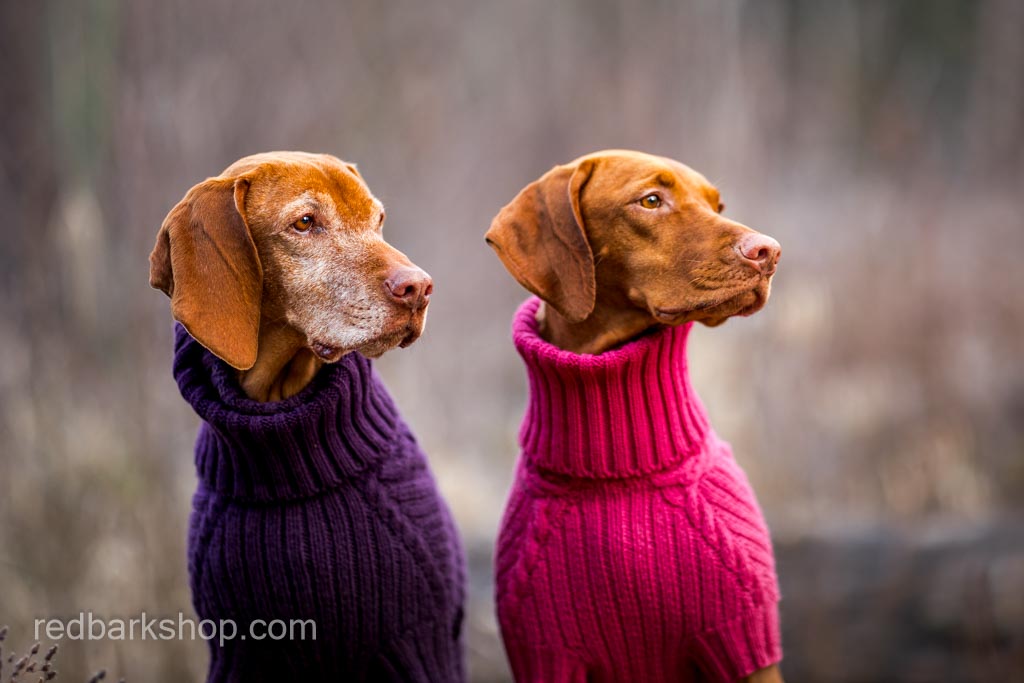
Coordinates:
656 251
615 244
314 503
278 265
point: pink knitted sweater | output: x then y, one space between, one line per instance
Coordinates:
632 547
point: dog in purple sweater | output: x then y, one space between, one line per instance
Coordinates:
316 527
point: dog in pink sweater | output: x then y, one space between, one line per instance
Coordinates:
632 546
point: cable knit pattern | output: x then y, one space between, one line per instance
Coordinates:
632 547
319 507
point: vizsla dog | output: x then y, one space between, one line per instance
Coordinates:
632 547
279 265
318 541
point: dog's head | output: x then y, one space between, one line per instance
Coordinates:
287 237
629 229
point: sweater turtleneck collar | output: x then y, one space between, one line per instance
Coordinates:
622 413
336 427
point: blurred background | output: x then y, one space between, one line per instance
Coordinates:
877 402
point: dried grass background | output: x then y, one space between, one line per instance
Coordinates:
877 403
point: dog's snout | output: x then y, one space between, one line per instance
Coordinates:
760 251
409 287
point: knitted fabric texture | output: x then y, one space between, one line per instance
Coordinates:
632 547
319 507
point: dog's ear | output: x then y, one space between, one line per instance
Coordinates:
540 238
206 261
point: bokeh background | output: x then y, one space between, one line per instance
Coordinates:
877 403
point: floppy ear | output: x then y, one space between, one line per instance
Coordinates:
539 237
206 261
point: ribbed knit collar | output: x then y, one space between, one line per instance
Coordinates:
626 412
336 427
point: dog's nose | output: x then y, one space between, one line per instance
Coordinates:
410 287
760 251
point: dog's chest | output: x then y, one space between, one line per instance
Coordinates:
367 561
654 560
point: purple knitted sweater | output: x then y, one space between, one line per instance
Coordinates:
319 507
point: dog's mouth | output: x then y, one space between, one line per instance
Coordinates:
405 333
717 308
326 352
400 338
411 336
402 332
375 348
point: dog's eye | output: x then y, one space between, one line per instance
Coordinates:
721 207
304 223
651 201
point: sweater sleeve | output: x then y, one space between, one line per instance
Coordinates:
741 632
739 647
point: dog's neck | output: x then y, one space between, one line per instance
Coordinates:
607 327
267 452
284 364
628 412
